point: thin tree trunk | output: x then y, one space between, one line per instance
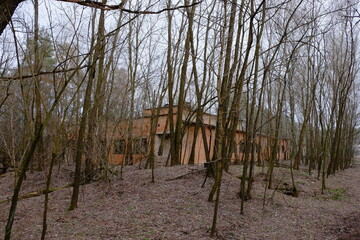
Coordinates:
96 111
27 158
176 159
38 113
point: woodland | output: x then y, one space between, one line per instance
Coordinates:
72 70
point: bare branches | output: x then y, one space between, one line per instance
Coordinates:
43 73
99 5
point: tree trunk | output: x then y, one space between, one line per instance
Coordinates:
91 158
8 8
81 134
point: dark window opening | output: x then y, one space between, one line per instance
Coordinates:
140 146
160 151
234 148
258 148
242 147
119 146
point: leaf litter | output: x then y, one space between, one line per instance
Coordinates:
176 206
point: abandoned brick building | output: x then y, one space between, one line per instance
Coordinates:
141 134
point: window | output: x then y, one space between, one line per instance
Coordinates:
119 146
258 147
144 145
140 146
234 148
242 147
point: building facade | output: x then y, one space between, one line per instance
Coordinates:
140 138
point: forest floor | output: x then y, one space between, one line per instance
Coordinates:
177 208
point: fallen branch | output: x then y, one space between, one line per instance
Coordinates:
282 165
186 174
36 193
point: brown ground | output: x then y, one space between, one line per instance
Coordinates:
134 208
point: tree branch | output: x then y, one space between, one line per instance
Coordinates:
99 5
42 73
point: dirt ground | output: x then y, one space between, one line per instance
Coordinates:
135 208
